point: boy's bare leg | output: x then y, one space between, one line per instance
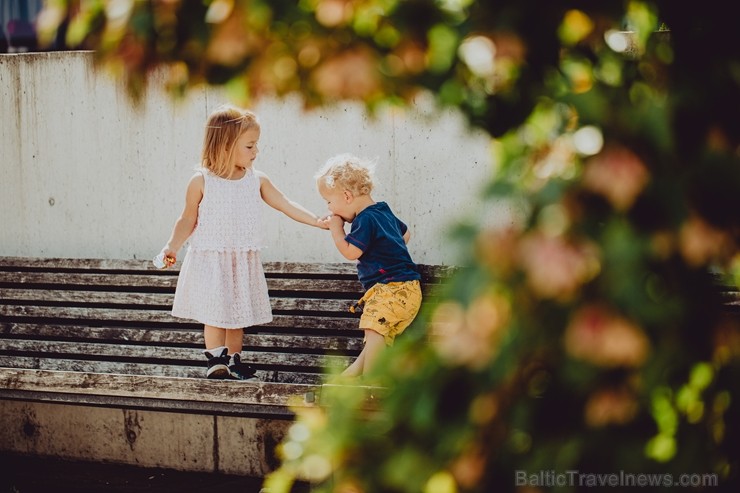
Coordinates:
374 344
355 369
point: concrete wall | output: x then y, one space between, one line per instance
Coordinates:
84 174
180 441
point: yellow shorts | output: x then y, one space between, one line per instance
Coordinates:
389 308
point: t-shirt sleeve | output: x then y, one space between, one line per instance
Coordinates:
403 226
361 232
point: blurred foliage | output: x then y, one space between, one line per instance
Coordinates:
589 329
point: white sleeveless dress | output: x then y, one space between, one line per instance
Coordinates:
221 281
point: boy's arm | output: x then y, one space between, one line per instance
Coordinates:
347 249
278 201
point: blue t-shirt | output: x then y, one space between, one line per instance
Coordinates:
379 234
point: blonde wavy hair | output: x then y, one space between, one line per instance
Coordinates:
223 127
348 172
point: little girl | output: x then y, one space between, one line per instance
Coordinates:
221 282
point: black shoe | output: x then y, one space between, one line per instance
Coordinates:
217 364
239 370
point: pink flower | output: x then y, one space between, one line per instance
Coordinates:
700 243
557 268
610 406
469 467
470 336
618 174
604 338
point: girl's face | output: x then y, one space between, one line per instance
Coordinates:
246 150
338 201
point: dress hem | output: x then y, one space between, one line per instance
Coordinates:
228 326
226 249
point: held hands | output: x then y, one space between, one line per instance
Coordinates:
323 222
332 222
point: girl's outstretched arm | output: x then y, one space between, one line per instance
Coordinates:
278 201
185 224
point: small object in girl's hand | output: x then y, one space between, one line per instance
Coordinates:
162 262
158 261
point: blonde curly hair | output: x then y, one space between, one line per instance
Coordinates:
348 172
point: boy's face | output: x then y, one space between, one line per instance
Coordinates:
338 201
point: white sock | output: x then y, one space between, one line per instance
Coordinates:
214 352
